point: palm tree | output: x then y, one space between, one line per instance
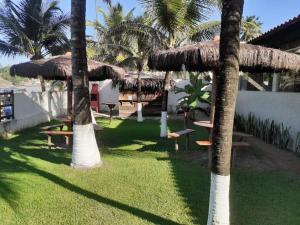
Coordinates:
33 28
227 86
251 28
174 19
85 150
104 48
137 50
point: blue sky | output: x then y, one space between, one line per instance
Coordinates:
270 12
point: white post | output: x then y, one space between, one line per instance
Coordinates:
163 124
275 84
139 112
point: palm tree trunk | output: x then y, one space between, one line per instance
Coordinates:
85 150
139 97
164 109
227 86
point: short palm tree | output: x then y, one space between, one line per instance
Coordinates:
251 28
33 28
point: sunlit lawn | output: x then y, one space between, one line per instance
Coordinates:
141 182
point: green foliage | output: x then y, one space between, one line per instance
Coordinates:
250 28
33 28
194 93
267 130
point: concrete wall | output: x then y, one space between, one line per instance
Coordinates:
282 107
34 108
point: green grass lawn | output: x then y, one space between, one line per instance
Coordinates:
141 182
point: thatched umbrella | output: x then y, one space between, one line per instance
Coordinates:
150 84
60 68
204 56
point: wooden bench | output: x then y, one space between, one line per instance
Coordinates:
235 146
176 135
50 133
51 127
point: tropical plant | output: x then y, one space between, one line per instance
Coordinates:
85 150
33 28
108 48
194 92
251 28
267 130
226 94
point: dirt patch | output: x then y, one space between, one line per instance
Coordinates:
259 157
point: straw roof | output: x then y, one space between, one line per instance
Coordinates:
60 68
150 84
204 56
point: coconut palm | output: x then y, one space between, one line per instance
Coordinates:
85 150
33 28
174 19
137 50
251 28
104 48
227 86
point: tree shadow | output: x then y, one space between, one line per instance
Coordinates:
8 190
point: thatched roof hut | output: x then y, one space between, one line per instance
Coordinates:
150 84
60 68
205 57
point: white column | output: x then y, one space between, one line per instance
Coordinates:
163 124
139 112
275 83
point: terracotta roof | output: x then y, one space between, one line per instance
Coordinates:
276 29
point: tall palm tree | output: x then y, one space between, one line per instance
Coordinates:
85 150
137 49
227 86
174 19
33 28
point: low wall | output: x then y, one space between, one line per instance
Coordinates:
282 107
34 108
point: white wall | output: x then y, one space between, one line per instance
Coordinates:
34 108
282 107
107 94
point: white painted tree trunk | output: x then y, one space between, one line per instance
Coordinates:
93 117
219 213
139 112
85 150
163 124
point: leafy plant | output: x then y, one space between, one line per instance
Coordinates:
194 92
267 130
